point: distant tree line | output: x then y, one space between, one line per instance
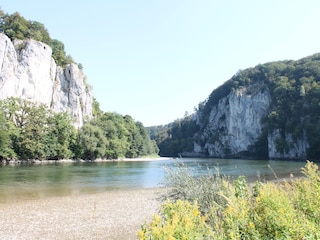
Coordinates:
294 87
174 138
17 27
30 131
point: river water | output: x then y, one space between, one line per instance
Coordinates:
32 181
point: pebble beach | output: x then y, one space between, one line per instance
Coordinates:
116 214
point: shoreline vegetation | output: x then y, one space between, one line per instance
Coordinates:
46 161
213 207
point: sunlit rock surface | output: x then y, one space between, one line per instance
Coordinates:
28 71
234 123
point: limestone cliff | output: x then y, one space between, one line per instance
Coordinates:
297 150
235 126
28 71
234 123
270 111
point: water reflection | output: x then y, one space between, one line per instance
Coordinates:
21 182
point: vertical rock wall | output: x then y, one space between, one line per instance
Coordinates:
28 71
234 123
296 149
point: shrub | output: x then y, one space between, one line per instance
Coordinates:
178 220
306 193
277 216
271 210
191 184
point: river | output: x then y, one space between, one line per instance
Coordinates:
31 181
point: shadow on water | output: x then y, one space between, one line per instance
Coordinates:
30 181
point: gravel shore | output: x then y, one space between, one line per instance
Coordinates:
111 215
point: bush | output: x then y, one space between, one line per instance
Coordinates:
271 210
189 184
306 193
178 220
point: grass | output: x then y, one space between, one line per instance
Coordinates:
213 207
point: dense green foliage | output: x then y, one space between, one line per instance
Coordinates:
17 27
33 132
29 131
294 87
269 210
174 138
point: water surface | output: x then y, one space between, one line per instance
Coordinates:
31 181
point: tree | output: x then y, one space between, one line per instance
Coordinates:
6 131
30 144
38 32
58 53
15 26
60 137
92 142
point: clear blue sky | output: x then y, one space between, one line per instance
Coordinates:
155 60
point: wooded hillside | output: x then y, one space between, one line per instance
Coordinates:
294 88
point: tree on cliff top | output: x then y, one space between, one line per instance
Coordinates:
17 27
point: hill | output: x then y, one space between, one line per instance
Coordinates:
271 111
47 109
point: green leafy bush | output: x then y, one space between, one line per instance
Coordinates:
271 210
29 131
207 189
179 220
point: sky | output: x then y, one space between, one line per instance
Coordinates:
157 60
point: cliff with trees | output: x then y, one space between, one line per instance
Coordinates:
36 68
47 109
271 111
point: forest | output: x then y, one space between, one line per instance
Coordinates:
30 131
294 88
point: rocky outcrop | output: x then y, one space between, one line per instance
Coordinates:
296 149
28 71
234 123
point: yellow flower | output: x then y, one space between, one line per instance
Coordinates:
156 220
141 234
251 225
229 209
196 212
231 235
281 211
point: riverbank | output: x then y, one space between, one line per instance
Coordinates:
35 161
146 159
110 215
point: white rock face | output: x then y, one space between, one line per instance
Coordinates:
234 123
296 149
28 71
